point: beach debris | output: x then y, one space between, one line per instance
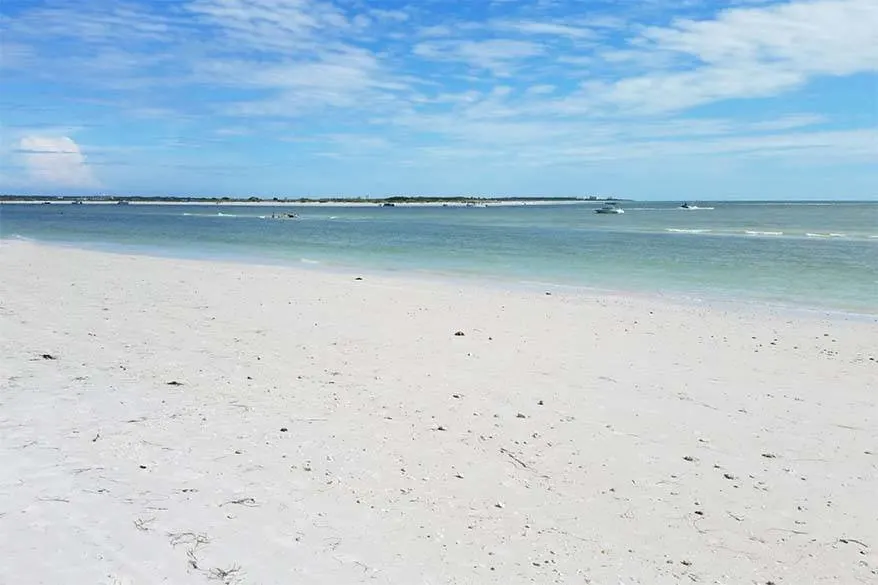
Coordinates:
192 541
498 505
512 456
143 524
441 428
456 395
283 429
227 576
548 294
728 476
174 383
459 333
853 540
48 356
189 538
520 415
359 278
689 458
143 467
540 402
249 502
97 436
769 455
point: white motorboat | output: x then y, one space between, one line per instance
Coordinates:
610 208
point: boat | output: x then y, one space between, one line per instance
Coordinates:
687 205
610 208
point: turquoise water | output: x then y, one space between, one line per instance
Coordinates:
822 255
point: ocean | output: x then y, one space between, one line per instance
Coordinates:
811 255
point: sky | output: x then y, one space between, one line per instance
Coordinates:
649 99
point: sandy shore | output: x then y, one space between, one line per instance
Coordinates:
174 421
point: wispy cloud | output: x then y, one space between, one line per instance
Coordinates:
274 25
545 29
499 56
531 82
748 53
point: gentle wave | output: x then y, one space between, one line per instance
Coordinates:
19 238
219 214
225 215
775 234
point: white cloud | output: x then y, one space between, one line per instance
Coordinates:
500 56
788 122
747 53
274 25
835 37
352 79
56 161
538 28
661 92
16 55
541 89
436 30
392 15
529 87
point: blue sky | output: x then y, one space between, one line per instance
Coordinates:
652 99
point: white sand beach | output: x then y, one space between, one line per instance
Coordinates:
191 422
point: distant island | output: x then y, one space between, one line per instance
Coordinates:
398 199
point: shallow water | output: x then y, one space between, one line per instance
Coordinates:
822 255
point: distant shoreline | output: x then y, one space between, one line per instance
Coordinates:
328 201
